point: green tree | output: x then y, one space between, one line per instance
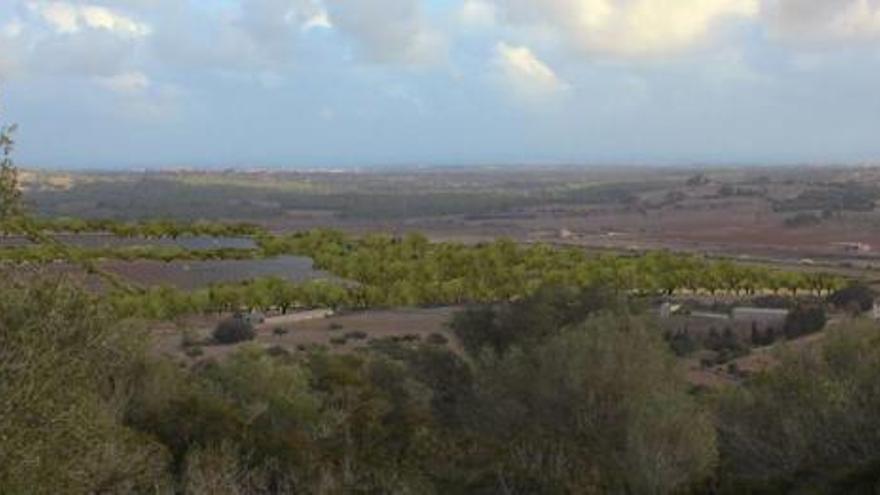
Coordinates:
598 408
10 192
66 370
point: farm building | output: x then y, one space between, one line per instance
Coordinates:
854 247
760 318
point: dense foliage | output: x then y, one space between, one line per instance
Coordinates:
66 368
233 331
567 391
384 271
809 426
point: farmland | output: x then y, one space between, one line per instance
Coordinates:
415 310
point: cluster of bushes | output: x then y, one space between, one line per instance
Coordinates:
834 197
567 391
802 220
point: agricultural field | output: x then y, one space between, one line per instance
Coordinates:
787 213
325 294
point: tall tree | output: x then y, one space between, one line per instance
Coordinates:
10 194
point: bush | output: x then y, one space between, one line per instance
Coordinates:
816 413
857 298
802 220
437 339
335 326
338 341
233 331
280 331
194 351
277 351
357 335
682 344
804 320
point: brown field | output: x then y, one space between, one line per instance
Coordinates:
317 332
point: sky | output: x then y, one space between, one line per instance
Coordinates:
360 83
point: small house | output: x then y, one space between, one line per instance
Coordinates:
854 247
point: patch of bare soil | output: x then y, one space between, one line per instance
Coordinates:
338 333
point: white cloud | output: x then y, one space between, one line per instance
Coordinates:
389 31
525 74
478 13
12 29
823 19
319 20
632 28
126 82
69 18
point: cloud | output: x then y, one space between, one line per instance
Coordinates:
126 82
389 31
478 13
629 28
319 20
256 37
12 29
525 74
823 19
69 18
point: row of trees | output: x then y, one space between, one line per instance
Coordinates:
393 271
166 303
413 270
387 272
45 253
152 229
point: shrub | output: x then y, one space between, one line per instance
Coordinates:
802 220
804 320
280 331
336 326
857 298
357 335
277 351
233 331
683 344
338 341
814 413
437 339
194 351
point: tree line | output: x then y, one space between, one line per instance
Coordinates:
383 271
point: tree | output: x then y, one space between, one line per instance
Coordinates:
816 413
233 331
857 297
805 319
10 193
66 371
598 408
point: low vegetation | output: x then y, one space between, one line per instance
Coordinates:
233 330
566 391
